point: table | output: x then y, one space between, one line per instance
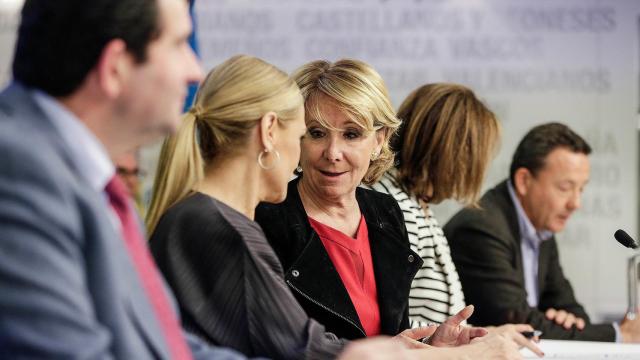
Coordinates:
562 349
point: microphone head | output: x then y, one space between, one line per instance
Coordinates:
624 239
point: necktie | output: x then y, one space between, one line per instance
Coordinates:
147 270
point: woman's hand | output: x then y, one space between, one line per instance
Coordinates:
410 338
448 334
500 342
494 346
490 347
514 333
451 333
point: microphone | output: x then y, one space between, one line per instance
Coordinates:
632 273
624 239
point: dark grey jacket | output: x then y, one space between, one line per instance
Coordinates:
485 246
230 285
68 289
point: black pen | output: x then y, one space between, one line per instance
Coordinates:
531 334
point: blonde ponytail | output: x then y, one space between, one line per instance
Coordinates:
229 103
180 167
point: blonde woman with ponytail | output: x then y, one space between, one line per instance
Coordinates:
237 146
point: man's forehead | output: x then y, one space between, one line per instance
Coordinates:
562 155
562 162
173 18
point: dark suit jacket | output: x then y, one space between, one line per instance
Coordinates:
314 280
485 246
67 287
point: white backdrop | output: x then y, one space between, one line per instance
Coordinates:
9 10
574 61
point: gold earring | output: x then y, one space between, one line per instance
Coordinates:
261 159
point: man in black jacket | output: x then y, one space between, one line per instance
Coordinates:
506 252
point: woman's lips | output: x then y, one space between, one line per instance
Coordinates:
331 173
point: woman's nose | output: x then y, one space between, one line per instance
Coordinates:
333 150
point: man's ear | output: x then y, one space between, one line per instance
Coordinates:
114 67
522 180
268 129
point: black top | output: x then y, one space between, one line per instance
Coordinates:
230 285
485 246
313 278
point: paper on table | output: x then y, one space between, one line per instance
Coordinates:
561 349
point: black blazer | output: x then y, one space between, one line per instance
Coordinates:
485 246
315 281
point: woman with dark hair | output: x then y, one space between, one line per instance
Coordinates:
443 148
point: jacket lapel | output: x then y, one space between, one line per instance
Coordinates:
394 264
303 277
543 265
514 229
145 318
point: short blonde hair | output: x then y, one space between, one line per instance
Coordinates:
233 97
445 143
360 93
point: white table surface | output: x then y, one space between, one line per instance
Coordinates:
560 350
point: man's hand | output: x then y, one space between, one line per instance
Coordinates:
630 328
564 318
451 333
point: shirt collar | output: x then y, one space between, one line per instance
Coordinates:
87 152
527 231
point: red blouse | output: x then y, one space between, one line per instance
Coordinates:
352 259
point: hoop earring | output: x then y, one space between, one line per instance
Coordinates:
261 161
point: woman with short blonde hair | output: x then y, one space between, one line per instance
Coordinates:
332 236
345 248
359 92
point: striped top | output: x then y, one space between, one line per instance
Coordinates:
436 292
230 284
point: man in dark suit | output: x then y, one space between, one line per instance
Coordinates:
505 250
